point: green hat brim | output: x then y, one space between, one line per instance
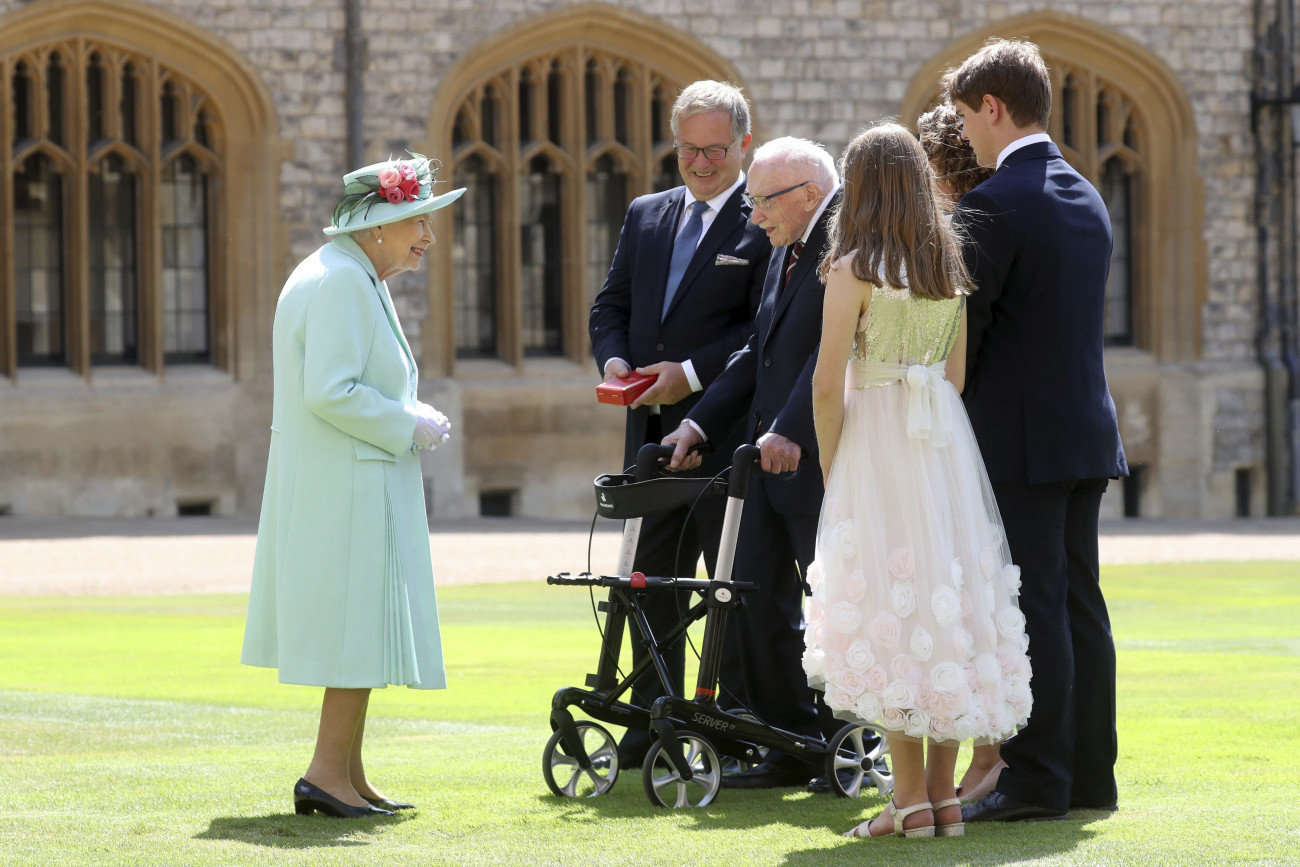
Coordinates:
382 213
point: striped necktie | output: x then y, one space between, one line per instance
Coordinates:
795 250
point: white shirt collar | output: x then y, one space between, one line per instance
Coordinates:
1032 138
715 204
818 215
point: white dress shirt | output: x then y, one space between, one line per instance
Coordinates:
1032 138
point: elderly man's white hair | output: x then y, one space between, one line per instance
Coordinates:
804 153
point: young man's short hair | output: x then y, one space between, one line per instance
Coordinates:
1011 70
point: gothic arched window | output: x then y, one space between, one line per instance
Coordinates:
1100 132
552 148
110 159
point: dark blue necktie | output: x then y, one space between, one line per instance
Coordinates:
683 251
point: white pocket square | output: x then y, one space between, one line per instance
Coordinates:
724 259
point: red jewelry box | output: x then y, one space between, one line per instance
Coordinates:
622 390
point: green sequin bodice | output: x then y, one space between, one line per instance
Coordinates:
903 328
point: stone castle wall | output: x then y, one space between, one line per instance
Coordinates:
815 68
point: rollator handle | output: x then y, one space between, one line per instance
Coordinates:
743 462
651 457
648 460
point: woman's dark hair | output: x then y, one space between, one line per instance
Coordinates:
950 154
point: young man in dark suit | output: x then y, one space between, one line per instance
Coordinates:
1039 253
767 388
679 299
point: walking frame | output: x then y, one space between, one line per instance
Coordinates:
684 766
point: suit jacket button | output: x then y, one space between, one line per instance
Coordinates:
659 347
767 362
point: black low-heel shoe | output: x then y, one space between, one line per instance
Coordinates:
308 798
386 804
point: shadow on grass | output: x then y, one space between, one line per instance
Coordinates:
985 845
291 831
733 810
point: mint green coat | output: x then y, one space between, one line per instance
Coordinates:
342 591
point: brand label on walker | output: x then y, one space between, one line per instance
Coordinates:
712 723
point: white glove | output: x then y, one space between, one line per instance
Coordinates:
432 428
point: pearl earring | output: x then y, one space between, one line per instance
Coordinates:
381 239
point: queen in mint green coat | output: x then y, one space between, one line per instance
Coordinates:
342 582
342 593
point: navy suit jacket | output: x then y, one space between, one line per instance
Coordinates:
1039 243
712 312
767 385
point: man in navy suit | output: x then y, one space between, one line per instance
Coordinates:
1039 253
767 388
680 298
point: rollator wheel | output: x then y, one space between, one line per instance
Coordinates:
561 770
666 787
849 763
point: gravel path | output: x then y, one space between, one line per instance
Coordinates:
214 555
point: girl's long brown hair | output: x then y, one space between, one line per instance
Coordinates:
889 218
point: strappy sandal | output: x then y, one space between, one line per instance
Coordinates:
953 829
898 817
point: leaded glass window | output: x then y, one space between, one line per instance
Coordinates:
1100 133
552 149
184 200
541 227
114 310
39 243
109 235
474 264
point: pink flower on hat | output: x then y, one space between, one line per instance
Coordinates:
394 182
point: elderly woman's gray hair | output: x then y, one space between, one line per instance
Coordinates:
705 96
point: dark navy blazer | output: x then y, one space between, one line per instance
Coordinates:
1039 243
712 312
768 383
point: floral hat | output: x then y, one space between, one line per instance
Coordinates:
388 192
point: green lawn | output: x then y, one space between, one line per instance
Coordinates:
129 734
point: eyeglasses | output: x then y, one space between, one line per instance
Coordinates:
714 153
765 201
